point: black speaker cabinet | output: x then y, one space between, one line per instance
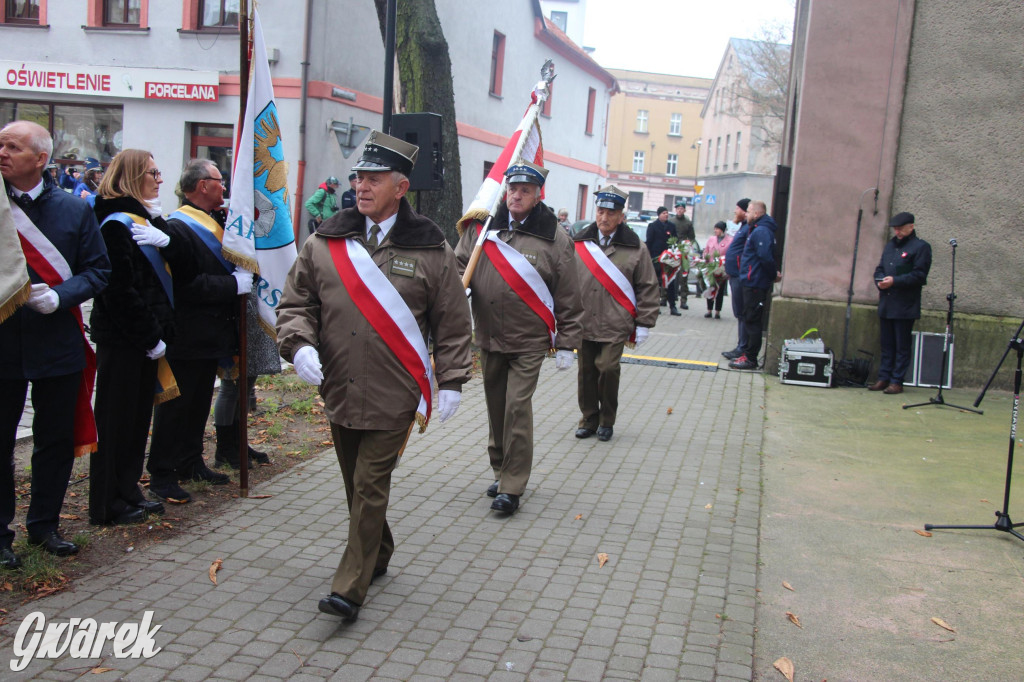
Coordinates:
926 361
424 131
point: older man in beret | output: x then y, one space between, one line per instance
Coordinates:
366 292
901 274
526 301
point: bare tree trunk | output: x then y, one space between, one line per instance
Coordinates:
425 74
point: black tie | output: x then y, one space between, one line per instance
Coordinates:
24 200
514 225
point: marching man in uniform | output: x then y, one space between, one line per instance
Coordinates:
620 304
525 302
367 290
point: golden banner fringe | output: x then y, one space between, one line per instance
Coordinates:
83 450
16 300
241 260
477 214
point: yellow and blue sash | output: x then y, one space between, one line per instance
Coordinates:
207 229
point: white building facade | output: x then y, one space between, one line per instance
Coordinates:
163 76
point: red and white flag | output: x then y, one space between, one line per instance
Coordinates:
490 192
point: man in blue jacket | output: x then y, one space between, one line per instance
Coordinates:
732 269
43 343
758 272
901 274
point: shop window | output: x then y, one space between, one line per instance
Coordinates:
79 131
213 141
24 12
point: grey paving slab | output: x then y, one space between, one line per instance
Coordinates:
672 500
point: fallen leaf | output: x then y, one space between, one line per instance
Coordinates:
785 666
602 559
923 533
578 517
260 497
793 619
788 586
943 624
6 587
668 411
707 506
983 500
100 671
214 567
70 517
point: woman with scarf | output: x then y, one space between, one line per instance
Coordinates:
132 321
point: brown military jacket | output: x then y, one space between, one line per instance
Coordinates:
504 323
604 319
365 386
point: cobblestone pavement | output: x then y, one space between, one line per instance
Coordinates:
673 500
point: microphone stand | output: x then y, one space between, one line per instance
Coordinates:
1003 522
937 399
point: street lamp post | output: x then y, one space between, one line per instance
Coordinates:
696 188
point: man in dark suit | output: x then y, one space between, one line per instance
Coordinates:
901 274
43 342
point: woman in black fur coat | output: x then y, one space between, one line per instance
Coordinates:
132 321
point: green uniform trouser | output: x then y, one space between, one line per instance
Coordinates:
509 383
367 459
598 383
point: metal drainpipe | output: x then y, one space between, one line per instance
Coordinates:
301 173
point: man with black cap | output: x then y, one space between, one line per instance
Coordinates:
323 204
348 197
684 231
901 274
366 292
619 291
659 231
732 269
526 301
758 271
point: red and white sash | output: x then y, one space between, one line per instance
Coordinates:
48 262
610 277
388 314
523 278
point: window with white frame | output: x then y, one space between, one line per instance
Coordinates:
672 165
718 151
707 159
560 19
736 161
725 159
675 124
641 121
638 162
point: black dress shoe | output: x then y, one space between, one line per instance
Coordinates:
378 572
674 311
732 354
336 605
258 457
492 489
584 433
604 433
53 543
200 472
8 559
505 503
133 515
169 491
151 507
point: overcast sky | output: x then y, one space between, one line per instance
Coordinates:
680 37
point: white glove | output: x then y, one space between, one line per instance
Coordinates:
563 359
157 351
307 365
243 278
43 299
147 235
447 404
641 336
